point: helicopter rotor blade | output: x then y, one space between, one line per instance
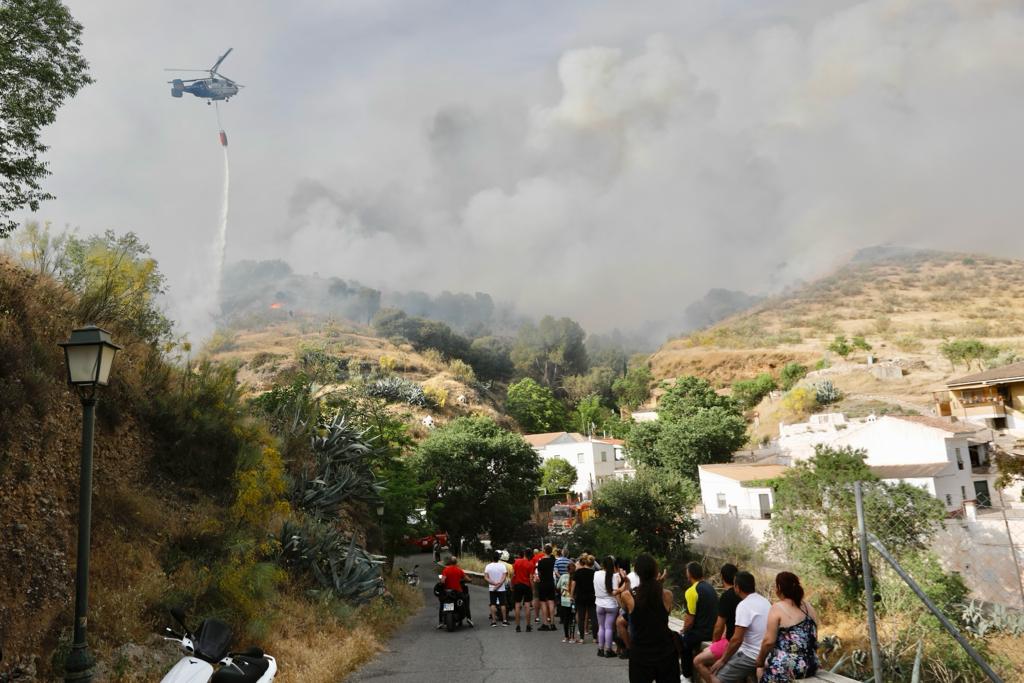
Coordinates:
222 58
196 70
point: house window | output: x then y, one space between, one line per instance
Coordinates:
959 460
949 499
579 458
963 493
721 501
604 456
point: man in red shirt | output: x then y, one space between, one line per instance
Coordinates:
454 578
522 588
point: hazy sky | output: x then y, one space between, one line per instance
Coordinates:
605 160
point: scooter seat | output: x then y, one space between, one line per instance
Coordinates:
243 670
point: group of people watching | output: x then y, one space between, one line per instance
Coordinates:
747 635
726 637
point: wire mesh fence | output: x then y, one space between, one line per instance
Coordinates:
965 569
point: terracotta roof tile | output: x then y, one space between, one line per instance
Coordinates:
993 376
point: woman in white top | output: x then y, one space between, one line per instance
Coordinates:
605 582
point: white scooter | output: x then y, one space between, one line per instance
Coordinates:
207 659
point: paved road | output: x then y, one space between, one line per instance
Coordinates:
419 653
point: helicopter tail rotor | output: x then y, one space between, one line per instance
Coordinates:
177 87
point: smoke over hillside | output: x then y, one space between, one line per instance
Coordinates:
580 158
760 153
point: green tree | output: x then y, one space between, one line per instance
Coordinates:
968 352
535 407
598 380
118 284
859 342
815 516
709 436
791 374
590 415
40 251
550 350
840 346
634 388
478 477
491 358
696 426
41 66
688 396
654 506
748 393
557 475
642 442
608 350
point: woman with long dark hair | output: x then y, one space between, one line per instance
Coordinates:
652 657
605 583
790 642
583 595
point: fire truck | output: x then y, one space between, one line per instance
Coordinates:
566 516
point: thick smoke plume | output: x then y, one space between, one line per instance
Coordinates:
763 150
611 161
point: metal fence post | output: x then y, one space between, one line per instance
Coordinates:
869 589
946 623
1013 549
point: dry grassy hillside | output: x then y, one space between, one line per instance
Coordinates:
269 354
162 535
904 303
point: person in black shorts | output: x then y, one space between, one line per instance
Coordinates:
522 588
583 595
546 590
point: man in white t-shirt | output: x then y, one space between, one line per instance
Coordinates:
739 658
496 574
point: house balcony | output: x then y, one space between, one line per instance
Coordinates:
988 406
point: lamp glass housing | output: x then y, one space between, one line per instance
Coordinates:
89 355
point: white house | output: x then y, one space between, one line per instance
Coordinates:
948 458
738 489
594 459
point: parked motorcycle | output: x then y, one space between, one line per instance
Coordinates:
411 577
207 659
453 605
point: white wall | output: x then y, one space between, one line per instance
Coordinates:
594 462
745 500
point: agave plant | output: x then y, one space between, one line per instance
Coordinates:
398 389
339 472
825 392
337 564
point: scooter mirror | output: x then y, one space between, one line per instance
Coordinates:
179 616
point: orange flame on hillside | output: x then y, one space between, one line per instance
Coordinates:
276 306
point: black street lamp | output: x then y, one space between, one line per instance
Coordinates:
89 355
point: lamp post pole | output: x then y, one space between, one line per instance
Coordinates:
79 663
89 354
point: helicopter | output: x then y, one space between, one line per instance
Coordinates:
216 87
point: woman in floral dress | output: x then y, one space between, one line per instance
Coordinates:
788 650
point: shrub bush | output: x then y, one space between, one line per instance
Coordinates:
462 371
791 374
